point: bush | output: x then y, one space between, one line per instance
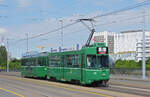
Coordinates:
131 64
148 63
15 64
126 64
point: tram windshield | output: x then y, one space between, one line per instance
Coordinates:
94 61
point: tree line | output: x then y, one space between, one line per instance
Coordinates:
131 64
14 64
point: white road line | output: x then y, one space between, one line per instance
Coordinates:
140 89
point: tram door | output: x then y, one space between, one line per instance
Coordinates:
29 68
82 66
35 65
63 65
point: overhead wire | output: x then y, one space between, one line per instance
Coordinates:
109 23
98 16
57 29
124 9
95 17
122 20
113 22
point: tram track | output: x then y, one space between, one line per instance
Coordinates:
142 92
140 88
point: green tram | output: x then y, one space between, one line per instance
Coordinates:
90 65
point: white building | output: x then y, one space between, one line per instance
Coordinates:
107 37
140 51
122 45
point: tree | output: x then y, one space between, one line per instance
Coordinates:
131 64
140 63
148 63
126 64
3 57
15 64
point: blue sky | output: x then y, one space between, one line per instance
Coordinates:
39 16
26 11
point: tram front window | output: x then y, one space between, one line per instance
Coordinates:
94 61
103 61
91 61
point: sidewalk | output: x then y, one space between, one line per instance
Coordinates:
11 73
129 77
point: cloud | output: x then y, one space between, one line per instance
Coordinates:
24 3
3 31
43 26
140 1
106 3
72 35
1 1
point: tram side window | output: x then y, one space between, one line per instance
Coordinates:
26 62
23 62
31 62
69 61
76 61
54 60
41 62
72 61
34 62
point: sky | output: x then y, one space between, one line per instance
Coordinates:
19 17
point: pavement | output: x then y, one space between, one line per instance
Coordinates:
16 86
13 85
33 88
140 88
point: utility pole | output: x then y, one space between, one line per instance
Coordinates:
62 43
7 55
143 47
27 34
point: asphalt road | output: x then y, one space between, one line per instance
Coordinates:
4 93
12 85
28 89
137 87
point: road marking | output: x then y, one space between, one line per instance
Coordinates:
140 89
12 92
59 86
